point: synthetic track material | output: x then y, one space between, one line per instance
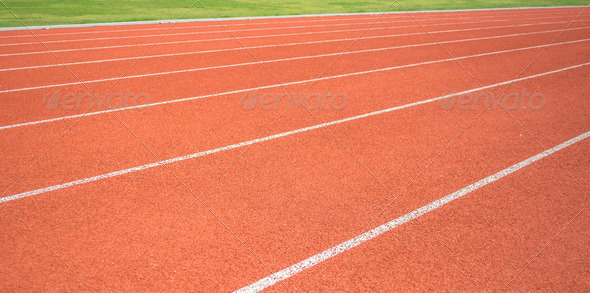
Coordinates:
202 190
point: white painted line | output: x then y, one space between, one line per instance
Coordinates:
204 32
375 17
267 138
277 85
36 42
196 26
229 19
360 239
199 26
284 60
254 37
275 45
262 23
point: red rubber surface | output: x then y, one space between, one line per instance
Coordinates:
222 221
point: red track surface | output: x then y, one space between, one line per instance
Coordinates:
227 219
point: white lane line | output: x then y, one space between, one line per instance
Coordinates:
277 85
280 60
213 25
255 37
231 20
360 239
262 23
247 30
407 18
275 45
267 138
198 33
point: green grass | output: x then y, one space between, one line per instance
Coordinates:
48 12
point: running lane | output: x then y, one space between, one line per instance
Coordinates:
138 31
167 137
209 42
280 228
29 104
486 238
169 63
141 30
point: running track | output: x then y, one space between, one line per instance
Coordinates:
199 189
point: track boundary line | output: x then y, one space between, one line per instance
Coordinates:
373 233
43 27
257 29
202 26
271 137
252 37
260 23
293 59
225 31
273 86
274 45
